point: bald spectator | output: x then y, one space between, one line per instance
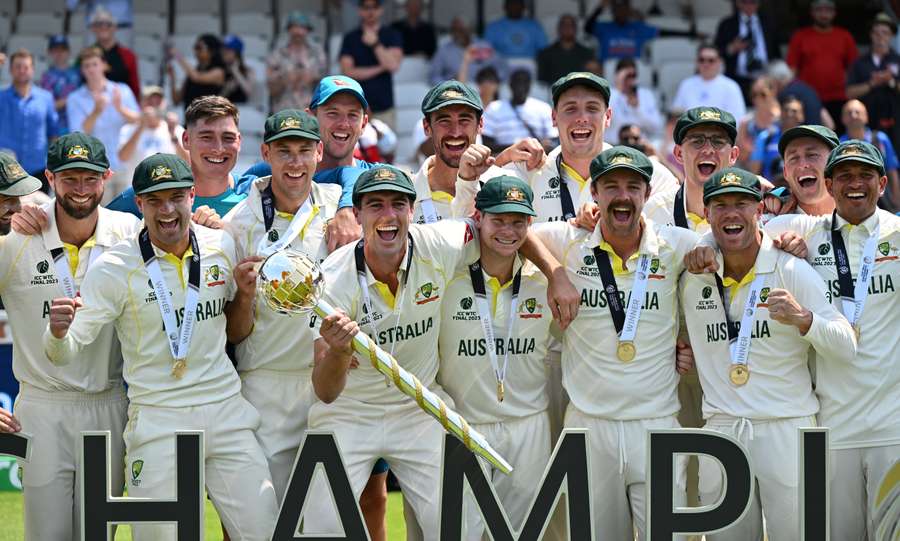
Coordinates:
632 104
122 62
747 42
516 35
371 54
856 119
464 56
709 87
873 79
418 36
508 121
565 55
820 55
293 71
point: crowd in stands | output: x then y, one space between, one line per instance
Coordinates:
747 66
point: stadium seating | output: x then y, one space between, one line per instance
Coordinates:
151 24
198 23
43 6
669 76
41 24
410 94
665 50
259 24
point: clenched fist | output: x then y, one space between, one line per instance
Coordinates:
62 314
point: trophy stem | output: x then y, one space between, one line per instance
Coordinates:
427 400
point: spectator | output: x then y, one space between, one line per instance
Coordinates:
873 79
28 118
121 10
630 135
157 130
633 105
766 113
624 36
61 78
565 55
856 119
820 55
488 82
239 80
462 57
508 121
371 54
207 79
747 42
516 36
123 64
293 71
788 85
377 143
101 107
709 87
418 36
766 158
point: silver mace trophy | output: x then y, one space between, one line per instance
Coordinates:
291 283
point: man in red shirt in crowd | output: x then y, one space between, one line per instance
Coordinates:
820 55
123 65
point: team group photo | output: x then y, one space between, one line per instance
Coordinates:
500 221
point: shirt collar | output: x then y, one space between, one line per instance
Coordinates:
405 265
766 258
869 224
420 180
649 239
103 235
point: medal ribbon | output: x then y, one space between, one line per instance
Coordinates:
565 198
428 210
298 225
484 310
178 343
853 298
739 339
625 322
64 273
678 210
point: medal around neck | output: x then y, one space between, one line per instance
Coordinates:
739 374
291 282
626 351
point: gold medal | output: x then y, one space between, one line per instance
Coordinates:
179 368
500 391
626 351
739 374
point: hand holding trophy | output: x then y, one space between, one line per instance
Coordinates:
291 282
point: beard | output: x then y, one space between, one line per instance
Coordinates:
79 212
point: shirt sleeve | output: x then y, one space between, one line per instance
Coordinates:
103 296
830 331
540 37
52 118
759 147
554 236
124 202
890 155
75 112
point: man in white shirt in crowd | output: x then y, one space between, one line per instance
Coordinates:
751 322
506 122
101 108
709 88
158 130
633 104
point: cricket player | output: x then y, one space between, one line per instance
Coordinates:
166 291
286 210
751 324
494 371
619 355
804 153
56 403
704 144
858 396
393 283
453 120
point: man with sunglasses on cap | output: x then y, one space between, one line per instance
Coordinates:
402 271
857 394
37 269
626 270
178 374
751 322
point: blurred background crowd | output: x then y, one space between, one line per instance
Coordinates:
124 70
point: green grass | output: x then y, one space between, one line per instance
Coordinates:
12 529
